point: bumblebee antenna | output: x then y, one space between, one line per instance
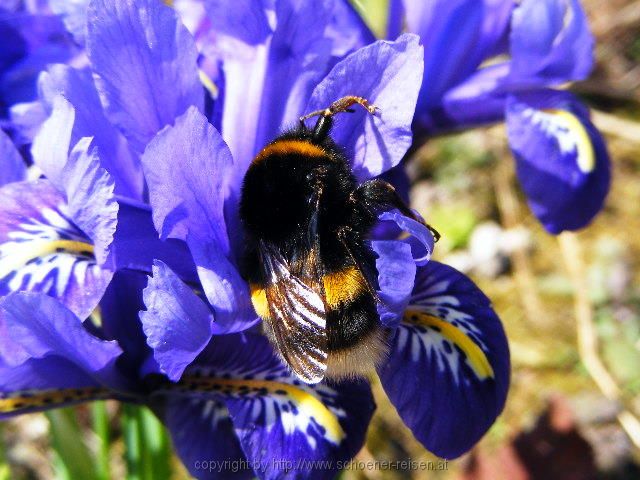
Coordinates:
344 104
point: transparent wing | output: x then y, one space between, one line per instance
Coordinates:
297 311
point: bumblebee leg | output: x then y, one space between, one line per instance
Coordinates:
344 104
378 195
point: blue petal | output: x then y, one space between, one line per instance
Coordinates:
136 244
448 370
47 358
204 438
50 149
12 166
459 36
90 199
187 167
243 19
26 120
267 86
40 326
280 421
423 245
42 250
178 324
396 275
550 42
388 74
561 158
347 30
395 19
88 187
34 42
77 87
74 15
146 66
30 387
119 318
478 100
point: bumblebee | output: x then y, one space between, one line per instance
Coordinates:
313 277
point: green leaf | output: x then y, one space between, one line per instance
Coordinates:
75 458
148 448
5 471
156 443
132 442
100 421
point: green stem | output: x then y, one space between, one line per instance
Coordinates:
157 445
100 420
132 442
5 471
66 440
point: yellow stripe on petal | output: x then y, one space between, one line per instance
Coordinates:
306 403
571 125
23 253
51 398
476 357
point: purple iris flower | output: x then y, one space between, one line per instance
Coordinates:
497 60
145 164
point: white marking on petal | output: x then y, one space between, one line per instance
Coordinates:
569 132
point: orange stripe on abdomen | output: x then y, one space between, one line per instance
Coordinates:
344 286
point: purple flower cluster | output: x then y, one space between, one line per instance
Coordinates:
125 143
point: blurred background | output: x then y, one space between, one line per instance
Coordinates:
570 306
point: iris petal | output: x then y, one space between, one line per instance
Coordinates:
90 199
50 148
423 244
188 167
88 188
177 323
145 63
478 100
78 89
550 42
459 36
47 357
266 86
281 422
74 16
388 74
396 274
12 166
448 370
347 29
561 158
118 318
204 438
243 19
136 244
42 250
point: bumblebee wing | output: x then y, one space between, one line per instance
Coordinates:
297 312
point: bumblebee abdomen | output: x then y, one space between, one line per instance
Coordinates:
356 341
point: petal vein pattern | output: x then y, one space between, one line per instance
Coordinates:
41 250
